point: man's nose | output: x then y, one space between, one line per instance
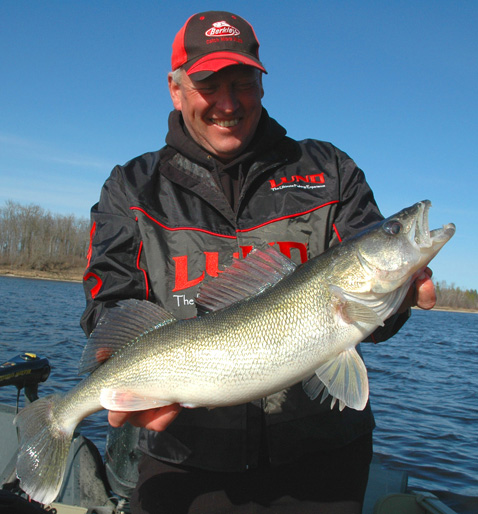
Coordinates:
227 99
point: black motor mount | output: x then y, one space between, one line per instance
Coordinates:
25 370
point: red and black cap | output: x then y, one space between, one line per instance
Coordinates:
212 40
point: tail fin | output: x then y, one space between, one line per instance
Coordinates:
43 452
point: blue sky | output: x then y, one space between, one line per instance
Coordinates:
393 84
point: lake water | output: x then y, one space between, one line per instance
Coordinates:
424 383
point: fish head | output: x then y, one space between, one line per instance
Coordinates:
398 248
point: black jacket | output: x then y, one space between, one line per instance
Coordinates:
169 219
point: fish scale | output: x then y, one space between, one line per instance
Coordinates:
265 327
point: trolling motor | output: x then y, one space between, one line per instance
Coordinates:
25 370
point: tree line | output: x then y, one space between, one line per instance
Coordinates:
449 296
33 238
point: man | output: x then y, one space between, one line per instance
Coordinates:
228 179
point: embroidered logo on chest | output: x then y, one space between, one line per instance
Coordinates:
299 181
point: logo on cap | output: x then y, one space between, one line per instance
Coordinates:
222 28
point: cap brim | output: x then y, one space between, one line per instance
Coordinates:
214 62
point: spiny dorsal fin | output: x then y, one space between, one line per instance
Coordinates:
122 324
261 269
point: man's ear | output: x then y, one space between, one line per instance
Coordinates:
262 87
175 92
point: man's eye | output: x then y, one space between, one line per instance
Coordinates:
206 90
243 86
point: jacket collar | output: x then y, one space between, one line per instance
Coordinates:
197 170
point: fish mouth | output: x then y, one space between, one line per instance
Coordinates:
423 237
396 261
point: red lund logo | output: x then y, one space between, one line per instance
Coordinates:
297 180
182 280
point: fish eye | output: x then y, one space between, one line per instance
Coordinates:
392 227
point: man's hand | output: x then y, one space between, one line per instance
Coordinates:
421 293
152 419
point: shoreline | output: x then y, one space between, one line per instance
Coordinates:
449 309
76 275
70 275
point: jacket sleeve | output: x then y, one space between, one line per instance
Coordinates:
357 206
113 270
358 210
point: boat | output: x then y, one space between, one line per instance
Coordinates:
97 485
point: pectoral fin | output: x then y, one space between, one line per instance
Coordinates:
345 379
352 310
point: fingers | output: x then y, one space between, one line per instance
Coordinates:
152 419
425 291
428 271
421 293
118 419
159 419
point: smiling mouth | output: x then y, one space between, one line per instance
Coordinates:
226 123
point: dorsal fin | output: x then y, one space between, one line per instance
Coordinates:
122 324
261 269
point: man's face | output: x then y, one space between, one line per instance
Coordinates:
221 112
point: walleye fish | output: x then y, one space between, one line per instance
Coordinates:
267 327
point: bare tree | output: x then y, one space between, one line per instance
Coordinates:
34 238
